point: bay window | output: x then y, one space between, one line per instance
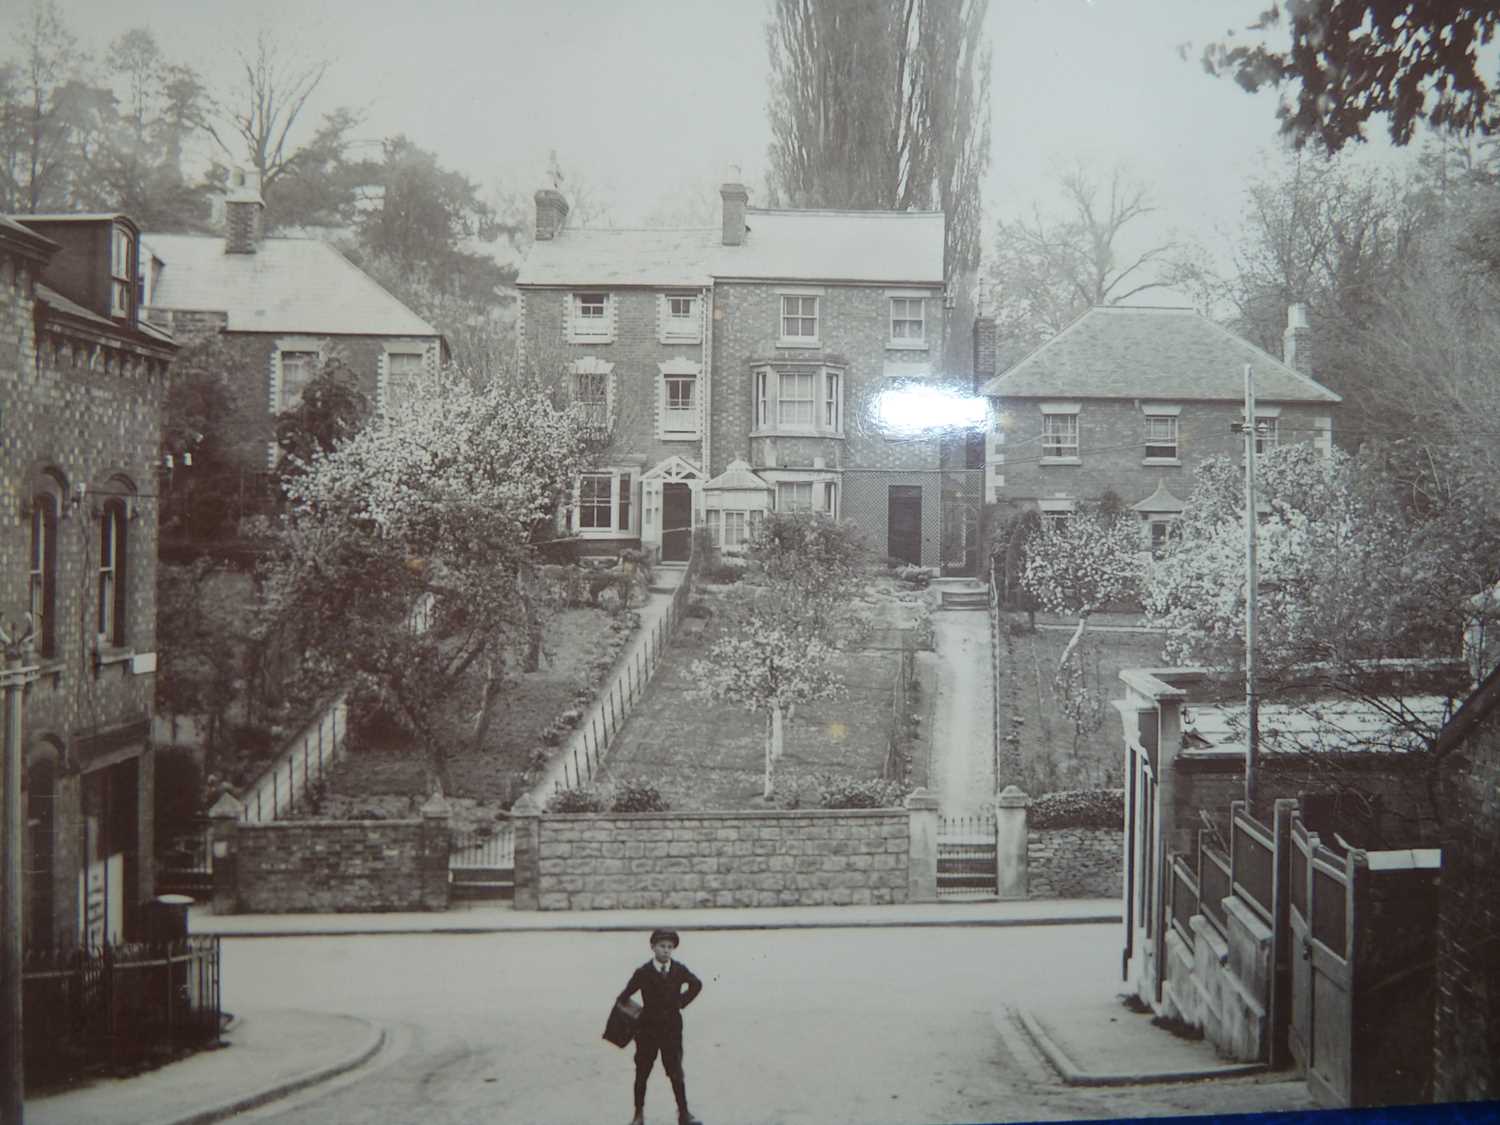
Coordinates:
799 399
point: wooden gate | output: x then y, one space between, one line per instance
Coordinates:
1321 1031
483 865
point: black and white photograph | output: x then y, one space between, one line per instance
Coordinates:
749 562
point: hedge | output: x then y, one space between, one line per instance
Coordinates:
1078 808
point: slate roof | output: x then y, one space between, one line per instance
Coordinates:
55 300
1152 353
19 230
287 285
738 476
896 247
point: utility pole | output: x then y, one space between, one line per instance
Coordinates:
14 677
1252 582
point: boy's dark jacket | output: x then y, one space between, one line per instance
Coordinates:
662 997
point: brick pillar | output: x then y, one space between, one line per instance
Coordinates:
922 805
1011 876
436 848
526 817
226 815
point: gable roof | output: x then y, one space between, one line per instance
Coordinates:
901 247
1119 351
287 285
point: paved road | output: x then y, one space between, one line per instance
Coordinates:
876 1027
963 760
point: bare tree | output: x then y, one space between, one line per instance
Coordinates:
268 103
1048 269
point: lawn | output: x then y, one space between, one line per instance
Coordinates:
706 755
387 765
1049 751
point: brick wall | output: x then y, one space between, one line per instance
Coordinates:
1467 1032
636 353
85 405
339 866
602 862
1075 862
1111 449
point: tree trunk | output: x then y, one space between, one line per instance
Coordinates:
1067 653
773 748
492 684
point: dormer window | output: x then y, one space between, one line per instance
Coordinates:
121 272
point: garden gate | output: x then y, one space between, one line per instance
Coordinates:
1321 969
966 856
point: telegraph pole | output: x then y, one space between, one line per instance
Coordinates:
1252 582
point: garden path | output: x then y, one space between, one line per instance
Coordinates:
657 605
963 760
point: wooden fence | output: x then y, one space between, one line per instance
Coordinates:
584 754
301 763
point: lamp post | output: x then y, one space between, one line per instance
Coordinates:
14 677
1252 586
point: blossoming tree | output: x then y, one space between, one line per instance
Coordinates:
408 554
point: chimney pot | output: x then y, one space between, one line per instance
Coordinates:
736 202
551 214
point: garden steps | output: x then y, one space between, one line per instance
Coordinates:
966 599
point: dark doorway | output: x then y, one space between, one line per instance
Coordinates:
676 522
904 514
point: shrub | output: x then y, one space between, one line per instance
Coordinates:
720 574
537 759
916 576
634 795
845 792
1078 808
699 608
580 799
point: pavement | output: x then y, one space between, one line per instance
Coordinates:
269 1055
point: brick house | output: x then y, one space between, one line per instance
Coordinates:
284 306
1466 1034
1130 401
80 426
777 362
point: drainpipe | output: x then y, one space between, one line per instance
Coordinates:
706 303
13 680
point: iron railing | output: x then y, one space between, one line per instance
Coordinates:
303 761
585 750
185 861
966 856
117 1005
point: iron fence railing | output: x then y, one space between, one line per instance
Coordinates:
303 761
894 767
117 1005
583 756
966 855
185 859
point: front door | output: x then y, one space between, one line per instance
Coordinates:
904 512
676 522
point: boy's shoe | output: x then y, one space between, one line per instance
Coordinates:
686 1118
638 1119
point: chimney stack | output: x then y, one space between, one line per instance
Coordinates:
1296 341
551 214
736 200
984 350
243 213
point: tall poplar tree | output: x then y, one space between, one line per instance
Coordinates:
885 105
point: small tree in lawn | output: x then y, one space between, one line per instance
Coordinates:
780 650
768 665
1075 567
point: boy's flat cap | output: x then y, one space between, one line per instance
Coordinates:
665 935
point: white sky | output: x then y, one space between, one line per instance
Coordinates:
644 97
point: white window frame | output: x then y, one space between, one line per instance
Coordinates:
591 330
591 368
799 313
1162 432
792 487
393 352
677 329
1057 426
918 341
1058 511
795 381
113 559
827 403
285 348
679 425
623 505
121 280
1267 432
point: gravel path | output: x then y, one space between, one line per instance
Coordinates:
963 763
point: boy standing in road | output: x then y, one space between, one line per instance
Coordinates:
661 982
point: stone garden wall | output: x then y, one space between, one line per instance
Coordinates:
1075 862
684 859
